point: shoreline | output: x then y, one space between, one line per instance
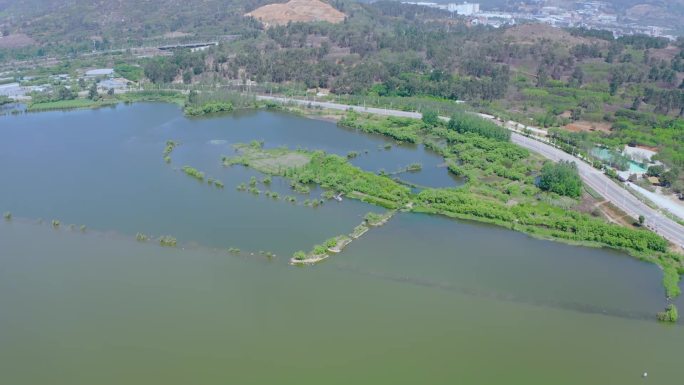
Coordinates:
533 234
302 113
309 260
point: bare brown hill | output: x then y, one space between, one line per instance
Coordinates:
297 11
16 41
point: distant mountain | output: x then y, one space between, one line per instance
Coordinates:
61 21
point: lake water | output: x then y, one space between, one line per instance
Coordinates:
423 299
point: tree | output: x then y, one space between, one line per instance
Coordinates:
430 118
187 77
669 177
656 170
561 178
613 87
64 93
160 70
462 122
642 219
576 114
577 76
192 97
92 92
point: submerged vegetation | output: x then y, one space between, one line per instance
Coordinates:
170 146
167 241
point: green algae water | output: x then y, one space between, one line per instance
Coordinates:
423 299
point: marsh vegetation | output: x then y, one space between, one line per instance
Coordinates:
193 172
167 241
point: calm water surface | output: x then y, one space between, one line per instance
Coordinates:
423 299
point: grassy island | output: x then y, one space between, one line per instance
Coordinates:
193 172
670 314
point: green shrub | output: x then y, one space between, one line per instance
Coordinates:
669 315
319 250
430 118
208 108
299 255
193 172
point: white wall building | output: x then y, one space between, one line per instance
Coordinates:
465 9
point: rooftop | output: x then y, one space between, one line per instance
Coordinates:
100 72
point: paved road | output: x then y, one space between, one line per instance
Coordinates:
610 190
595 179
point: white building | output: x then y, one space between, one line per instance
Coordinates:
465 9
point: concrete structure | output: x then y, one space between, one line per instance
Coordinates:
639 154
11 90
117 84
466 9
100 72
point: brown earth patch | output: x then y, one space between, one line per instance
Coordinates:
581 126
654 149
176 35
603 209
532 33
305 11
17 40
667 53
640 11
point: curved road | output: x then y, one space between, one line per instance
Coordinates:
595 179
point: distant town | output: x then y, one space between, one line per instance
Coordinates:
584 14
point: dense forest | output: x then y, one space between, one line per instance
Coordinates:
628 90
